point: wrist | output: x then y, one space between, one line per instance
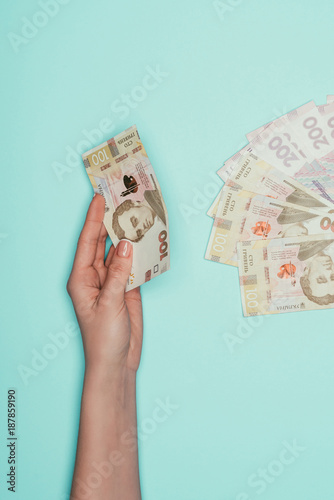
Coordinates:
116 383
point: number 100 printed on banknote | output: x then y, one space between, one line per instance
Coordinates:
120 170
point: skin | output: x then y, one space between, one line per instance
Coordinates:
111 325
321 275
136 221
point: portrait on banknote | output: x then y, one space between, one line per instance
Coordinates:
132 219
286 275
317 281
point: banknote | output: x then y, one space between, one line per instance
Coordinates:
120 170
315 129
277 149
293 144
309 120
244 216
287 274
307 125
327 160
213 208
251 135
256 175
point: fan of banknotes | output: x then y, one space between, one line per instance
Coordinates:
274 217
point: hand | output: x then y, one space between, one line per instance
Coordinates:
110 320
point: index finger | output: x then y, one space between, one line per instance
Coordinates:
87 244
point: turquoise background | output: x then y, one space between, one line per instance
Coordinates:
227 74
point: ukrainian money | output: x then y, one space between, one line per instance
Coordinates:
244 216
279 186
315 128
300 111
254 174
120 170
327 160
277 149
213 208
287 274
313 131
251 135
294 144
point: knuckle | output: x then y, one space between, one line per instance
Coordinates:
103 238
117 270
89 241
98 264
106 298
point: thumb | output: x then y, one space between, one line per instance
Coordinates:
119 270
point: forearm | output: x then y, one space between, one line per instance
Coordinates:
107 456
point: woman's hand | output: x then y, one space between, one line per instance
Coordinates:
111 324
110 320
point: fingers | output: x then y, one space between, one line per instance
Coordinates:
109 256
101 247
118 272
100 252
133 294
98 263
89 237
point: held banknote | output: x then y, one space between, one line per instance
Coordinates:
287 274
120 170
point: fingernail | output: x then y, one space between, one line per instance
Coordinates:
124 248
